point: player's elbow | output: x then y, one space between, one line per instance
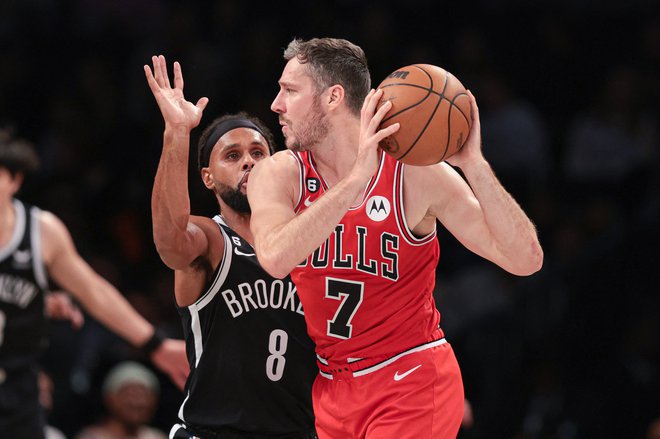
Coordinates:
530 262
273 266
272 262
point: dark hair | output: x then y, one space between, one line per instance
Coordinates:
334 61
17 155
227 117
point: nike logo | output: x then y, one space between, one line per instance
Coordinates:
240 253
308 202
399 377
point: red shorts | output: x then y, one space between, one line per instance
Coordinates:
417 395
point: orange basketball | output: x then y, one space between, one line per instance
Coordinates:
433 109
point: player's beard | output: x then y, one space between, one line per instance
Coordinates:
313 129
234 198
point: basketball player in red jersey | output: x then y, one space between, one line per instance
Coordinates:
364 227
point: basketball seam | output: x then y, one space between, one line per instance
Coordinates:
451 107
428 121
429 92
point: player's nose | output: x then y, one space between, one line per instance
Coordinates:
248 162
277 105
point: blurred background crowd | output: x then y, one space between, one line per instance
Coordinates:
569 94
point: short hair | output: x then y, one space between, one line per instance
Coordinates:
130 372
17 155
334 61
241 115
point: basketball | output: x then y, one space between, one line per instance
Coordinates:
433 109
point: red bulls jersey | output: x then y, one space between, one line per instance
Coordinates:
368 290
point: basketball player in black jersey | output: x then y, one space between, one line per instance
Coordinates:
252 363
35 245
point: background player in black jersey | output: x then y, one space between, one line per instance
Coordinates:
35 244
252 363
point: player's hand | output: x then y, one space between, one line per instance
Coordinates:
176 110
59 306
471 150
366 163
170 357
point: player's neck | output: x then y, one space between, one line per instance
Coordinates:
7 222
335 156
238 222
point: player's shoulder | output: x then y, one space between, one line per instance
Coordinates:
49 223
282 164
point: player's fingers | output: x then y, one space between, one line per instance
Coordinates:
380 135
163 71
201 103
379 115
365 105
153 85
178 76
373 101
474 109
157 72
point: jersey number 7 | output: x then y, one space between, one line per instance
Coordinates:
351 294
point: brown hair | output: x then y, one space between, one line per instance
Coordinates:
17 155
334 61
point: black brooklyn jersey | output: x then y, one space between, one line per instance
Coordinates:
23 284
252 363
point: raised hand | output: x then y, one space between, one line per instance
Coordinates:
176 110
59 306
370 136
170 357
471 150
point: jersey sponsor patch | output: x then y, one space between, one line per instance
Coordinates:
378 208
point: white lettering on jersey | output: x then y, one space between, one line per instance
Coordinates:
17 290
258 296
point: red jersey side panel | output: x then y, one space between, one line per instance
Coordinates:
368 291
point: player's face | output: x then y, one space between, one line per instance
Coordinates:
9 184
231 161
298 104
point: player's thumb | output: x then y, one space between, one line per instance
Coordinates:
201 104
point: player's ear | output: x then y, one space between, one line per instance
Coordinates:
335 95
207 177
17 182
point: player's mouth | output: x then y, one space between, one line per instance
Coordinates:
285 126
244 179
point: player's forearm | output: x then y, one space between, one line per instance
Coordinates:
110 308
170 202
283 247
512 231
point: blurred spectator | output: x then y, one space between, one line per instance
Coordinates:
514 136
615 136
653 431
130 395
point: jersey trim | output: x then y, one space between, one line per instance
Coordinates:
400 212
312 164
19 229
37 256
301 180
382 364
373 181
